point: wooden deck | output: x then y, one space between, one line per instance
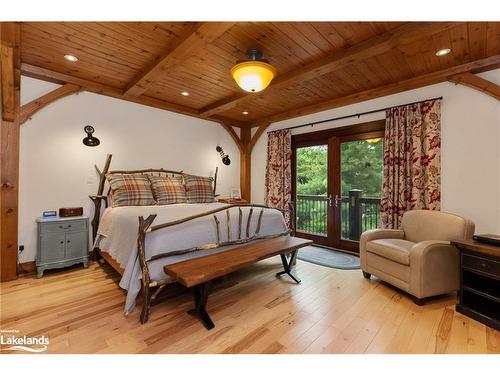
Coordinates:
332 311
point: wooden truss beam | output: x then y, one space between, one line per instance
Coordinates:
405 34
10 38
29 109
246 143
477 83
197 39
98 88
394 88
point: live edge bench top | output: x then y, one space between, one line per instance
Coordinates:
196 271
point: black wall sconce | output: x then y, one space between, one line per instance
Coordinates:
225 158
89 140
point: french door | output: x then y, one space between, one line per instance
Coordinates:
337 181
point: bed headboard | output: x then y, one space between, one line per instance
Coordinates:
101 198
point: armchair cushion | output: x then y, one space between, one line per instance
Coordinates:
397 250
375 234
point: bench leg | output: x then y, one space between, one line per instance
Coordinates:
200 295
287 265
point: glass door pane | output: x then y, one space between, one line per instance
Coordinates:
361 169
312 190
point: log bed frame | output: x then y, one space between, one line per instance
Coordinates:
150 290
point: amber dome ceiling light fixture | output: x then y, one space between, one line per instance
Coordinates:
253 74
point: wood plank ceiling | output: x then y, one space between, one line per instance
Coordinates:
317 62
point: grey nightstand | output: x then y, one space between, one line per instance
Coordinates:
62 242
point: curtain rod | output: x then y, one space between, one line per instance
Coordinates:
354 115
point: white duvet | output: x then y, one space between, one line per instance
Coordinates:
117 235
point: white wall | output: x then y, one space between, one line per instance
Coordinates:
57 170
470 169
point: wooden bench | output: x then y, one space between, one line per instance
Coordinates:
198 272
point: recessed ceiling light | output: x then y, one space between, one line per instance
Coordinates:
245 113
71 58
443 52
184 93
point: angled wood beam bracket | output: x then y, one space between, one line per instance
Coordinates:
380 44
477 83
233 134
29 109
197 39
260 130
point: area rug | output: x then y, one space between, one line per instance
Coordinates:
329 258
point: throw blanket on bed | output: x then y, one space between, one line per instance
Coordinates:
119 226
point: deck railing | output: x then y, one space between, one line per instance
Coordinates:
358 214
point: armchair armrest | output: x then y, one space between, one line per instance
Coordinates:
434 268
376 234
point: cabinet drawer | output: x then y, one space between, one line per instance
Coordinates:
64 227
488 266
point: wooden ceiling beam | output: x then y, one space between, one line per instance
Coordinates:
477 83
394 88
98 88
29 109
198 38
405 34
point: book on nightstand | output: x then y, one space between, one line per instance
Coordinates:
492 239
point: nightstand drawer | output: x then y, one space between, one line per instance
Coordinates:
64 226
481 264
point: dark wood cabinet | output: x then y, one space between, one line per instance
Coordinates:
479 282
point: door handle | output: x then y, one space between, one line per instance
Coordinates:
338 201
330 200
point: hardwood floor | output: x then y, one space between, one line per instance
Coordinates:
332 311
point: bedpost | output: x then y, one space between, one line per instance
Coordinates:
141 249
99 197
215 179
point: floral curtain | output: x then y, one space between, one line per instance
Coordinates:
412 161
279 171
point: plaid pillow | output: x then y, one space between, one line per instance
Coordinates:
199 189
130 190
168 190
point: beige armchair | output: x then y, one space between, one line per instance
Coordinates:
419 258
